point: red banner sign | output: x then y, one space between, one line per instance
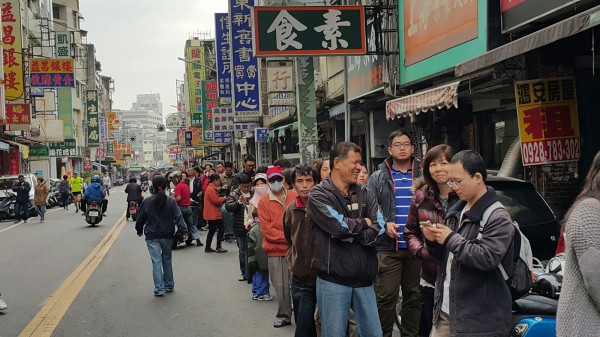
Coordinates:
17 114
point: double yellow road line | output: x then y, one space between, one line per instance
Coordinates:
47 319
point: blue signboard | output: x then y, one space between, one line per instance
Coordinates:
244 65
223 50
261 135
221 137
51 80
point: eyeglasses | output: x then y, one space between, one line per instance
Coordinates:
276 179
401 145
453 184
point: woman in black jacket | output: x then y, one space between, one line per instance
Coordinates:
238 203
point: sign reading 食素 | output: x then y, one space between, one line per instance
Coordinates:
309 30
548 121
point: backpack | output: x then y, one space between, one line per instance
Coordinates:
64 187
518 279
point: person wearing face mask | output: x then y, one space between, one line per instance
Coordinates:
238 203
270 212
260 189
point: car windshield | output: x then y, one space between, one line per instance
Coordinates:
524 204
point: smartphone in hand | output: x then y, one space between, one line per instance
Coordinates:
426 224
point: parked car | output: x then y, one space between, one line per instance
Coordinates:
529 209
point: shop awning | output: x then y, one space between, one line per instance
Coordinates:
439 97
292 126
4 146
560 30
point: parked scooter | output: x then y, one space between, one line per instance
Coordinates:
535 314
53 198
133 209
7 207
93 214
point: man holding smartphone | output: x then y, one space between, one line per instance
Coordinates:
21 188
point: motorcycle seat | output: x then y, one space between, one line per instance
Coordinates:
535 305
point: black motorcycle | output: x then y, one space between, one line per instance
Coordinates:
7 207
93 214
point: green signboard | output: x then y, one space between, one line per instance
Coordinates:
110 149
39 151
365 73
195 74
65 111
441 38
93 127
309 30
210 100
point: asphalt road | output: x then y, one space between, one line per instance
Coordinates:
62 278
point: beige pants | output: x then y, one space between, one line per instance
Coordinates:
279 273
442 328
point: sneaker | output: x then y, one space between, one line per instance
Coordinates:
3 305
169 290
199 243
242 278
265 297
221 250
160 293
255 297
209 250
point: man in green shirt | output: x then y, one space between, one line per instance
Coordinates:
76 183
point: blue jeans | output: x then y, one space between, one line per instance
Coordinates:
260 283
41 211
186 212
241 243
335 300
304 298
162 263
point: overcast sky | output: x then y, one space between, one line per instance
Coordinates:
138 42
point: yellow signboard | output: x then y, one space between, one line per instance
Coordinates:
548 121
12 46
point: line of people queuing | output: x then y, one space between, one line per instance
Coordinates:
339 246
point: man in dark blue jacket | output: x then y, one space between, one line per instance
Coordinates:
22 188
347 222
94 193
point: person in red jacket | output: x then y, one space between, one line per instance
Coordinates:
270 213
212 213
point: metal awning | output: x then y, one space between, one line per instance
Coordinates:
4 146
560 30
292 126
436 98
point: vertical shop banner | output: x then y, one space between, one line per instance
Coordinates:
223 51
103 128
548 121
12 46
110 148
365 73
188 138
17 114
210 100
111 116
245 71
65 111
195 75
63 45
93 128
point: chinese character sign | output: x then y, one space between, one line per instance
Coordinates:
223 51
17 114
12 49
195 75
245 72
93 127
210 100
548 121
365 73
52 72
63 45
63 149
280 79
309 30
261 135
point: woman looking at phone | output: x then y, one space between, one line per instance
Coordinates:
432 199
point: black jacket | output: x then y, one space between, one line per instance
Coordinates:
383 187
159 224
232 206
337 220
195 194
480 301
22 191
134 192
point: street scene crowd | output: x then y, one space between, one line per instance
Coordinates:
336 247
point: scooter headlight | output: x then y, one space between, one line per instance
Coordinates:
520 330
